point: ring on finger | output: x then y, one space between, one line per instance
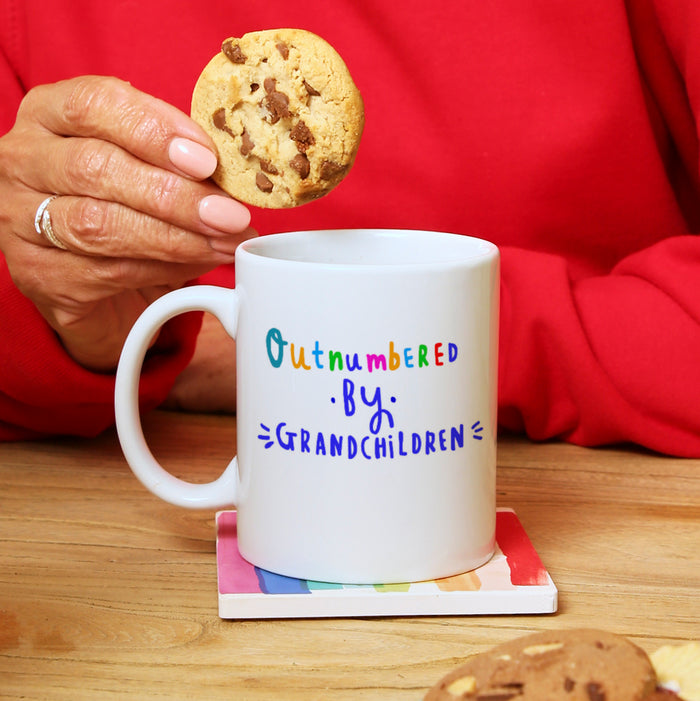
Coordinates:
42 223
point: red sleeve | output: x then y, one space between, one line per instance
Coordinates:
616 358
10 86
605 360
43 392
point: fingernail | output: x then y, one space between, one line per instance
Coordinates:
192 158
224 214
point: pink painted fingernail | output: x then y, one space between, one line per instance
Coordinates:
224 214
192 158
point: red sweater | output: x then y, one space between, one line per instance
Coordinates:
565 132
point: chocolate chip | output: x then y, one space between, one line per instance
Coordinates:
219 118
302 136
569 684
263 182
233 52
283 49
247 144
219 121
300 163
254 87
268 167
312 91
329 170
276 102
595 691
277 105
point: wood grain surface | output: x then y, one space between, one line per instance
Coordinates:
108 593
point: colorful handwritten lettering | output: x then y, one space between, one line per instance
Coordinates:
356 399
315 357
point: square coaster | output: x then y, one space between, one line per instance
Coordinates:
513 581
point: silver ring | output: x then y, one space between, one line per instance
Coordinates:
42 223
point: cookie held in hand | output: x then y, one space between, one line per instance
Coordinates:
580 665
284 113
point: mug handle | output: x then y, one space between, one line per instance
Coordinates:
223 304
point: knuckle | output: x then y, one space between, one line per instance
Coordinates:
88 221
88 97
165 192
175 240
33 97
92 97
149 128
117 273
90 163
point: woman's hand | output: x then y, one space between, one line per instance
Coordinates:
132 211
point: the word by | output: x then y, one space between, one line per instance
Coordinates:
302 358
350 404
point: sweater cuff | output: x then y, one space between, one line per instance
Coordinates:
43 391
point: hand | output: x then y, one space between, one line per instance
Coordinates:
134 212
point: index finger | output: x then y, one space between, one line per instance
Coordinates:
112 110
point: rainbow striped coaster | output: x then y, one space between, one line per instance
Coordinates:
513 581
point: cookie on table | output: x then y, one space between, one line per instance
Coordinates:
284 113
580 665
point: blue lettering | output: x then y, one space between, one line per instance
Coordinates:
402 452
336 445
429 442
287 442
457 437
379 448
415 443
348 401
305 437
275 336
363 448
353 364
317 352
352 447
375 422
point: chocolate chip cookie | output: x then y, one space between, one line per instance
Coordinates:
580 665
284 113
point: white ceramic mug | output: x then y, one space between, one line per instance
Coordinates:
366 403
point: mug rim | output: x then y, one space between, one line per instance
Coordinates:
463 249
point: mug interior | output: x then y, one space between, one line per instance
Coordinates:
370 247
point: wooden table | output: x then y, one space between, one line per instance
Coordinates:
107 593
